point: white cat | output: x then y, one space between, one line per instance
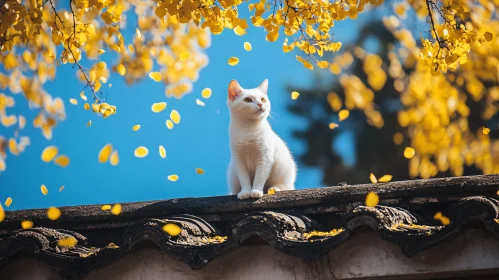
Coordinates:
259 158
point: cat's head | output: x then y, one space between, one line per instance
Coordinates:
250 104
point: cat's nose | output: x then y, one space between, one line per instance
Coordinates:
260 104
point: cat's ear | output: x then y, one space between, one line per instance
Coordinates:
264 86
234 90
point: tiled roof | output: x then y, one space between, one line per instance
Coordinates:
302 223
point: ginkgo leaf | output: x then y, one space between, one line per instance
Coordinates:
8 201
271 191
156 76
106 207
233 61
82 95
162 151
67 242
488 36
73 101
443 219
116 210
138 35
323 64
372 178
158 107
169 124
199 171
172 229
333 125
22 121
343 114
44 189
62 160
485 130
372 199
2 213
199 102
86 106
247 46
183 56
175 116
53 213
100 51
89 123
49 153
121 69
61 188
114 160
26 224
409 152
141 152
294 95
206 93
105 153
136 127
385 178
173 177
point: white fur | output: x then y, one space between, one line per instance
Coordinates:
259 158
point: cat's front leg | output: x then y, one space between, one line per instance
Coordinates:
244 179
261 176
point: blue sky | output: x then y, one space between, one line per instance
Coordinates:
199 141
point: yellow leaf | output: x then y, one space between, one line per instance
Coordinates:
73 101
372 199
104 153
173 177
114 160
199 171
67 242
106 207
323 64
137 33
86 106
158 107
156 76
116 210
183 56
169 124
443 219
343 114
136 127
162 151
485 130
409 152
62 160
199 102
373 178
89 123
26 224
175 116
294 95
271 191
53 213
488 36
172 229
61 188
206 93
2 213
100 51
141 152
44 189
121 69
233 61
82 95
247 46
385 178
49 153
8 201
22 121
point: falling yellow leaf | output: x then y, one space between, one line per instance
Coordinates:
333 125
137 33
239 31
343 114
323 64
121 69
114 160
183 56
488 36
443 219
247 46
62 160
82 95
199 171
116 210
199 102
100 51
89 123
233 61
162 151
385 178
372 178
372 199
173 177
49 153
141 152
169 124
67 242
110 85
485 130
61 188
8 201
106 207
22 121
175 116
136 127
294 95
26 224
206 93
44 189
156 76
172 229
2 213
158 107
53 213
86 106
105 153
409 152
73 101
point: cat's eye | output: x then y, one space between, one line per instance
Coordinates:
264 100
247 99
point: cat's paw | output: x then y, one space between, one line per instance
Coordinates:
256 194
273 190
244 195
